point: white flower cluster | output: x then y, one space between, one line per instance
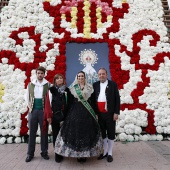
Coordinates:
134 138
13 105
156 97
131 121
20 14
50 60
54 2
144 15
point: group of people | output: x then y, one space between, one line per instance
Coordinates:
82 116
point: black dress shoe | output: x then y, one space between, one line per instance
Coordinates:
28 158
58 158
109 158
81 160
61 157
45 156
102 156
78 159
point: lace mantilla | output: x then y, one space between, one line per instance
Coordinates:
86 92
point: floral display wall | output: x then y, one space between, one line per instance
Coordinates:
35 32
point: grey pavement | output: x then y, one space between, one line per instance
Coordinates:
151 155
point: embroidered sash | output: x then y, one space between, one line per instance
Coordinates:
38 104
84 102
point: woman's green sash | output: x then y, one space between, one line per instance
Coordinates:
84 102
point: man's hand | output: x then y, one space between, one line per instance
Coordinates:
115 117
49 120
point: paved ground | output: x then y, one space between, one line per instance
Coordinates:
127 156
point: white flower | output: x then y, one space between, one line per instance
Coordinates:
138 130
119 129
5 125
4 60
23 35
130 138
18 123
38 131
49 129
136 138
122 137
167 129
43 64
16 132
144 137
17 140
129 128
43 48
2 140
121 123
128 119
9 140
153 137
122 115
38 139
159 137
51 67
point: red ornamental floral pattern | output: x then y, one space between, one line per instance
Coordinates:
117 74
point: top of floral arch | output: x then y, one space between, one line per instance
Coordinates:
86 18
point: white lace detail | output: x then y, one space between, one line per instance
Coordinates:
86 92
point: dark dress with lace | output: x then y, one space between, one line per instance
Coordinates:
80 134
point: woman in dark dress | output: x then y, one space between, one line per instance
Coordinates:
57 101
79 135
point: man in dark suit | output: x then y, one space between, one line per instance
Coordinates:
107 102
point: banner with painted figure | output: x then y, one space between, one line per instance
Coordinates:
89 57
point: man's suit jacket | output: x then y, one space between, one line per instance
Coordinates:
112 97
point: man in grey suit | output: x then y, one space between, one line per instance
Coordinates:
107 106
35 98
